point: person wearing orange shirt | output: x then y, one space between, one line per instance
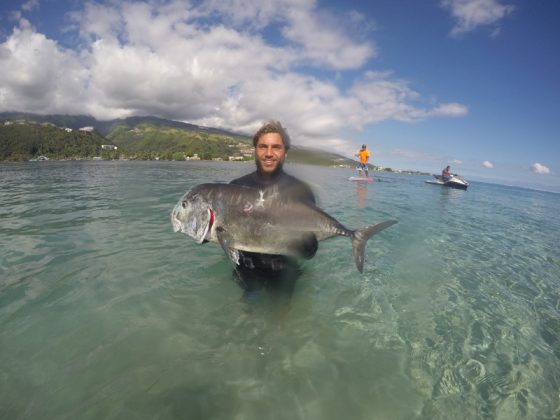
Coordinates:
363 154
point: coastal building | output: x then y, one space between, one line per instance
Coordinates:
246 150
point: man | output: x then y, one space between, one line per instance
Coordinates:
363 154
255 270
446 174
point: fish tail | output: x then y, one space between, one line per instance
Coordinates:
360 238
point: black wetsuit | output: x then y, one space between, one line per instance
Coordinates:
277 271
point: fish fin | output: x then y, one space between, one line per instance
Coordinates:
207 227
226 242
360 238
308 246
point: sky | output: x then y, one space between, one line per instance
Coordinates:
474 84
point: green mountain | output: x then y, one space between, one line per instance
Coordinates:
27 140
105 127
309 156
151 138
24 136
69 121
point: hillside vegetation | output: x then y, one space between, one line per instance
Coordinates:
24 141
148 141
27 136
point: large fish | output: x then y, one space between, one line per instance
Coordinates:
248 219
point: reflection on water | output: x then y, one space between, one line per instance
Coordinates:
105 313
361 194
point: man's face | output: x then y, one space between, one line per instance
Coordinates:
270 153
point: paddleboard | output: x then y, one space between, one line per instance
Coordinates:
360 178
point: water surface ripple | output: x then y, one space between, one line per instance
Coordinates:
106 313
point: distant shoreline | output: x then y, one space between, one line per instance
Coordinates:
99 159
541 189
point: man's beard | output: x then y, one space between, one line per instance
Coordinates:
262 171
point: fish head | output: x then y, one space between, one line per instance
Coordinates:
193 216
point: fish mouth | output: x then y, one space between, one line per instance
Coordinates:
176 223
196 228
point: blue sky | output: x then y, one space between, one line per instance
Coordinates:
470 83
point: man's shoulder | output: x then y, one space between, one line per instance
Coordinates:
244 180
297 189
292 179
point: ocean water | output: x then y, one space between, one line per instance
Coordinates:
105 313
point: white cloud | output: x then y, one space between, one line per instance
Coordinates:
377 96
456 162
38 75
487 164
207 65
317 36
30 5
471 14
324 43
449 110
540 169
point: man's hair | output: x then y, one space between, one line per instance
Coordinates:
272 127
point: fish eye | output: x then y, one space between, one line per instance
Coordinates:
184 204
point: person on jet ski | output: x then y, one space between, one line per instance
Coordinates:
445 174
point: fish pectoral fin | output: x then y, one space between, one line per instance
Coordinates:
306 247
227 243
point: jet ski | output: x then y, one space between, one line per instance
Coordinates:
454 181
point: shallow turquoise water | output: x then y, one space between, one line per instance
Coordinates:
106 313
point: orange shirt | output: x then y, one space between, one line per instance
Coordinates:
364 155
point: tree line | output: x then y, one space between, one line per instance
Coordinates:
24 141
20 141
